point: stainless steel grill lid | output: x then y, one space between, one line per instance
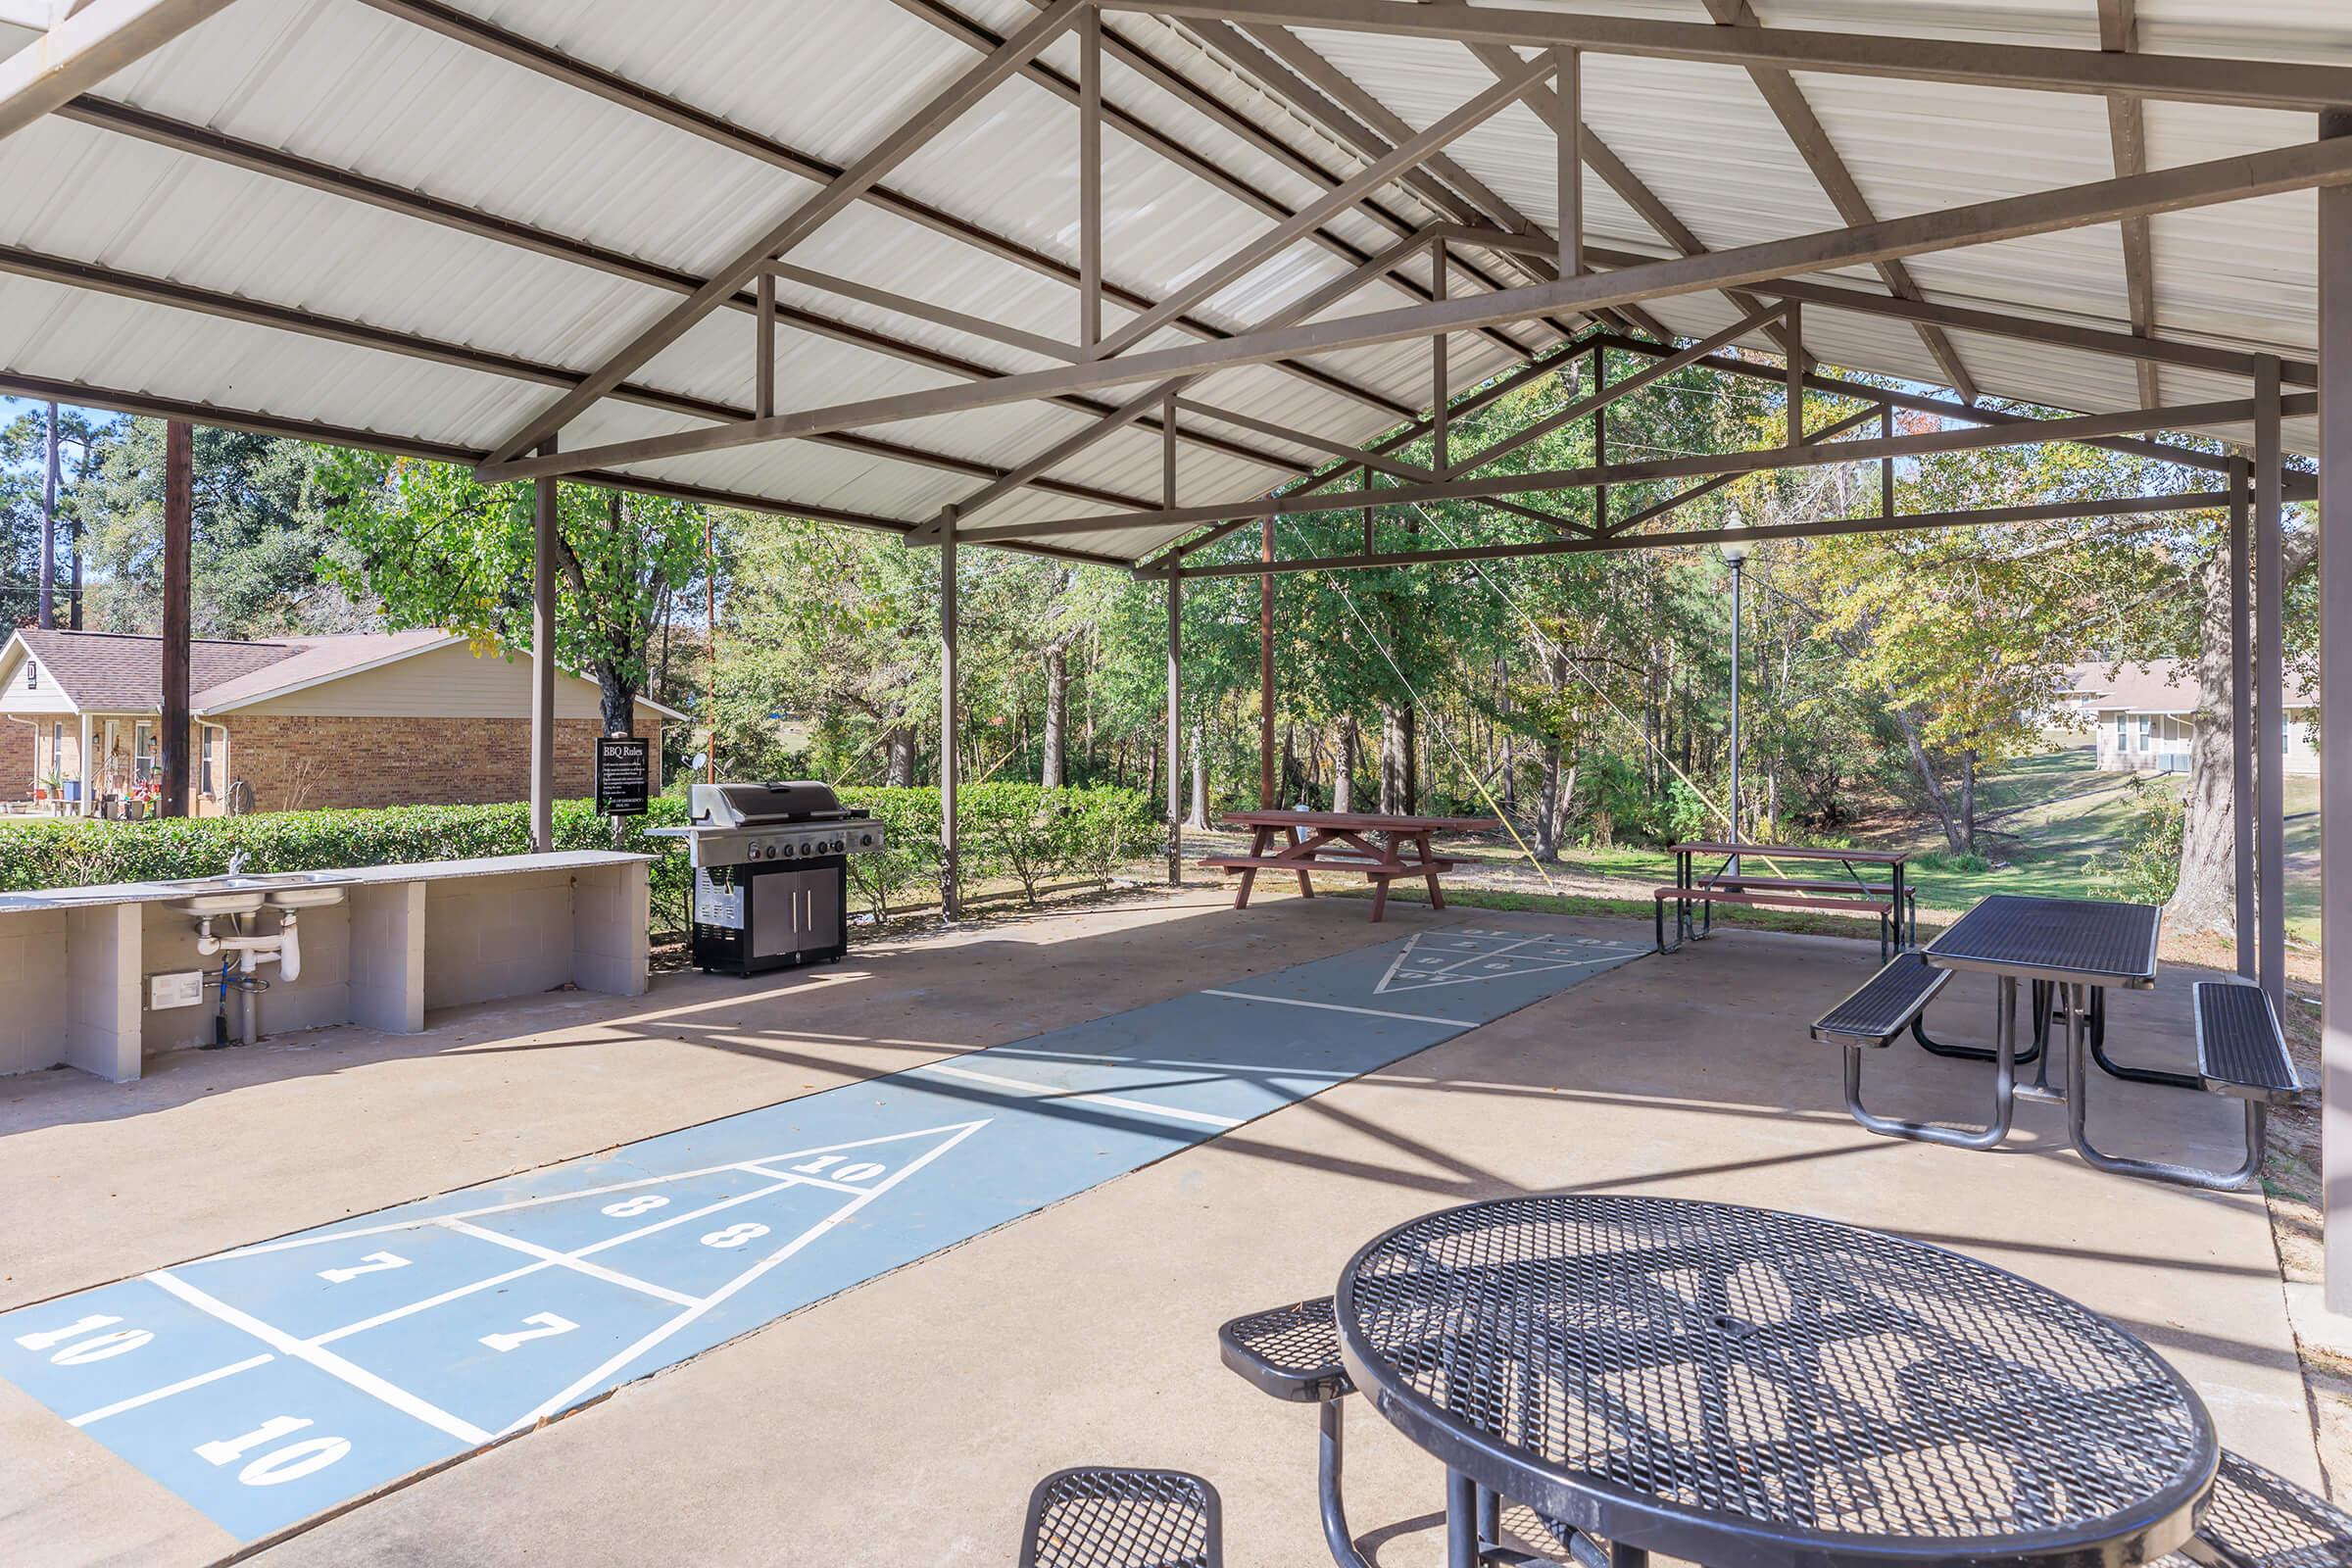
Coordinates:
726 806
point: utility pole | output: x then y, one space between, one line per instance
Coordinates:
45 613
1735 555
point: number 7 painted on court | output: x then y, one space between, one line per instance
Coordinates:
545 1326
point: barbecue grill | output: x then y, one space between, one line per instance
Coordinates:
771 873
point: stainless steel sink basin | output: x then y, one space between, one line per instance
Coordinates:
248 891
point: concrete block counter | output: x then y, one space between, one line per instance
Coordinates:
79 966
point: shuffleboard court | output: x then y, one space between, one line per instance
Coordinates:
273 1382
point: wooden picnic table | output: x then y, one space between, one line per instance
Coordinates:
1368 843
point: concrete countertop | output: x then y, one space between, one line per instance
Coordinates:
49 899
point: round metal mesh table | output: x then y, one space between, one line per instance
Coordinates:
1741 1386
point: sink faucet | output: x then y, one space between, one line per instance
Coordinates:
236 863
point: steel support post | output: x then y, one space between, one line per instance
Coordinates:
543 664
1600 437
2241 711
1568 127
1090 179
1175 740
179 529
1797 377
2269 689
950 888
764 346
1886 464
1439 439
2335 677
1268 786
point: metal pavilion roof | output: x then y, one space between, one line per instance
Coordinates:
413 224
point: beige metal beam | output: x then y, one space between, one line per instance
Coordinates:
2127 130
805 216
1789 105
85 47
1611 543
2190 79
2302 167
1976 438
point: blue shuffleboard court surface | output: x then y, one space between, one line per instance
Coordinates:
273 1382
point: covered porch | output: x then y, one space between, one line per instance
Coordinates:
918 1406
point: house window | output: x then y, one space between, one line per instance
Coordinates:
209 764
32 675
57 749
143 755
2146 724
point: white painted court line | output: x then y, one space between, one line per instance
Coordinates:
396 1313
565 1260
1116 1101
582 1385
285 1244
164 1393
425 1305
359 1377
1338 1007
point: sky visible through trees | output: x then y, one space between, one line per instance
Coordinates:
1585 696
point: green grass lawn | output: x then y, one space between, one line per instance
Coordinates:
2050 824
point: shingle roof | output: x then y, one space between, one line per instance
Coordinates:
116 672
2159 686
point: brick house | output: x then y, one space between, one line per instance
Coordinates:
392 719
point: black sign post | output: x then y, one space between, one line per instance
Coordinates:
623 775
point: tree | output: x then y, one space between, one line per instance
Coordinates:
439 548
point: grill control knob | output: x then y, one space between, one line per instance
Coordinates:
771 852
787 852
837 846
865 840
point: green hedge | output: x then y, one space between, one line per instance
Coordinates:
1010 831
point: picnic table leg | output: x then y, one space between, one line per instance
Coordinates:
1259 842
1437 898
1306 886
1380 898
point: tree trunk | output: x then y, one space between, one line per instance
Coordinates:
1396 760
1152 789
1057 713
1968 800
1547 819
45 611
898 753
1928 783
2206 901
1197 820
617 700
1343 780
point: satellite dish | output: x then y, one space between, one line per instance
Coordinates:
702 760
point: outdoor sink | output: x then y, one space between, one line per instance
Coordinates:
226 900
246 892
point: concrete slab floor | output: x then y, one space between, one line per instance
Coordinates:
905 1421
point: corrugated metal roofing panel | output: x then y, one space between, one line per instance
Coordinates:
352 87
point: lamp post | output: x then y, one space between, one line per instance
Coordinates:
1735 556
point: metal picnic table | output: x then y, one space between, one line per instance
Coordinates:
1730 877
1368 843
1748 1388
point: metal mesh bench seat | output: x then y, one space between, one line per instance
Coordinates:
1111 1518
2255 1519
1291 1352
1885 1003
2241 1052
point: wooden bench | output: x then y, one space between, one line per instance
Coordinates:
1751 893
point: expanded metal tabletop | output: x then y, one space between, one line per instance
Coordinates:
2084 941
1748 1389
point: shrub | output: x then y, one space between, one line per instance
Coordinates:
1951 860
2151 865
1018 830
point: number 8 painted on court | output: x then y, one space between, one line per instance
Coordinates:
628 1207
736 1235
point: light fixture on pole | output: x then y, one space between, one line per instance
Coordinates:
1735 556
